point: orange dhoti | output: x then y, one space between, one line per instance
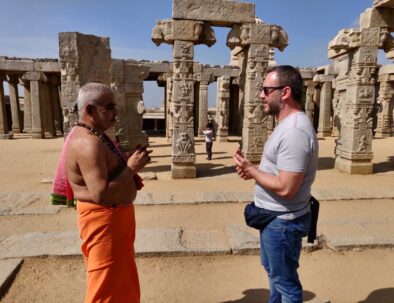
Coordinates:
108 236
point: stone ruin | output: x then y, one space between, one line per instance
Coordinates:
350 99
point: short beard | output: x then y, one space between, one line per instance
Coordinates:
274 108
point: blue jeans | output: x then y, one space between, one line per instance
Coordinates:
281 242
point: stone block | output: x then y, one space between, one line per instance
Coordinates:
205 242
216 12
150 242
187 30
377 17
353 166
243 239
26 204
8 269
50 66
38 244
183 171
16 65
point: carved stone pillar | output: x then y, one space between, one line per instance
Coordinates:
256 39
324 129
83 59
183 157
27 105
385 113
354 147
254 134
15 106
4 131
127 76
36 79
169 113
203 109
222 107
310 101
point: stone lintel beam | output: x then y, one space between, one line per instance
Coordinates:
377 17
16 65
35 76
23 65
48 67
310 83
216 12
307 73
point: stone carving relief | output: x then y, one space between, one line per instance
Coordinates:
183 145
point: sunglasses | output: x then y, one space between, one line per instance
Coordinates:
269 89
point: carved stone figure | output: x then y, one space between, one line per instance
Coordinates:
183 145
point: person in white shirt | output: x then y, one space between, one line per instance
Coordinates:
208 132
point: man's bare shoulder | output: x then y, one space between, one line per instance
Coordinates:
84 144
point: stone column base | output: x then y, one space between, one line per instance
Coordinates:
221 139
6 136
323 134
361 167
183 171
37 135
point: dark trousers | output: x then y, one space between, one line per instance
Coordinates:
208 146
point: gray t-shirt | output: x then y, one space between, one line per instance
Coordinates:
292 147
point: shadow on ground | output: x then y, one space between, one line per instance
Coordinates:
212 170
326 163
384 167
262 295
384 295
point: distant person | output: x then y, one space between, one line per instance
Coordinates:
105 184
208 132
283 182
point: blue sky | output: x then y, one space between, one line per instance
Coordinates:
29 28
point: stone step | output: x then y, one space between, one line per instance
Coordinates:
33 203
8 270
233 239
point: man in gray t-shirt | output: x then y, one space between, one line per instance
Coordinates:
283 181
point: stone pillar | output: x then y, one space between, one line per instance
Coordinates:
310 101
324 129
54 83
36 79
83 59
385 114
254 134
354 147
127 82
15 106
183 153
203 109
259 38
27 106
222 107
47 107
4 132
169 114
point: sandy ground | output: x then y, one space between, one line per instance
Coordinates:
352 276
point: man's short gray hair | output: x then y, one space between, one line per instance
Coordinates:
91 93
